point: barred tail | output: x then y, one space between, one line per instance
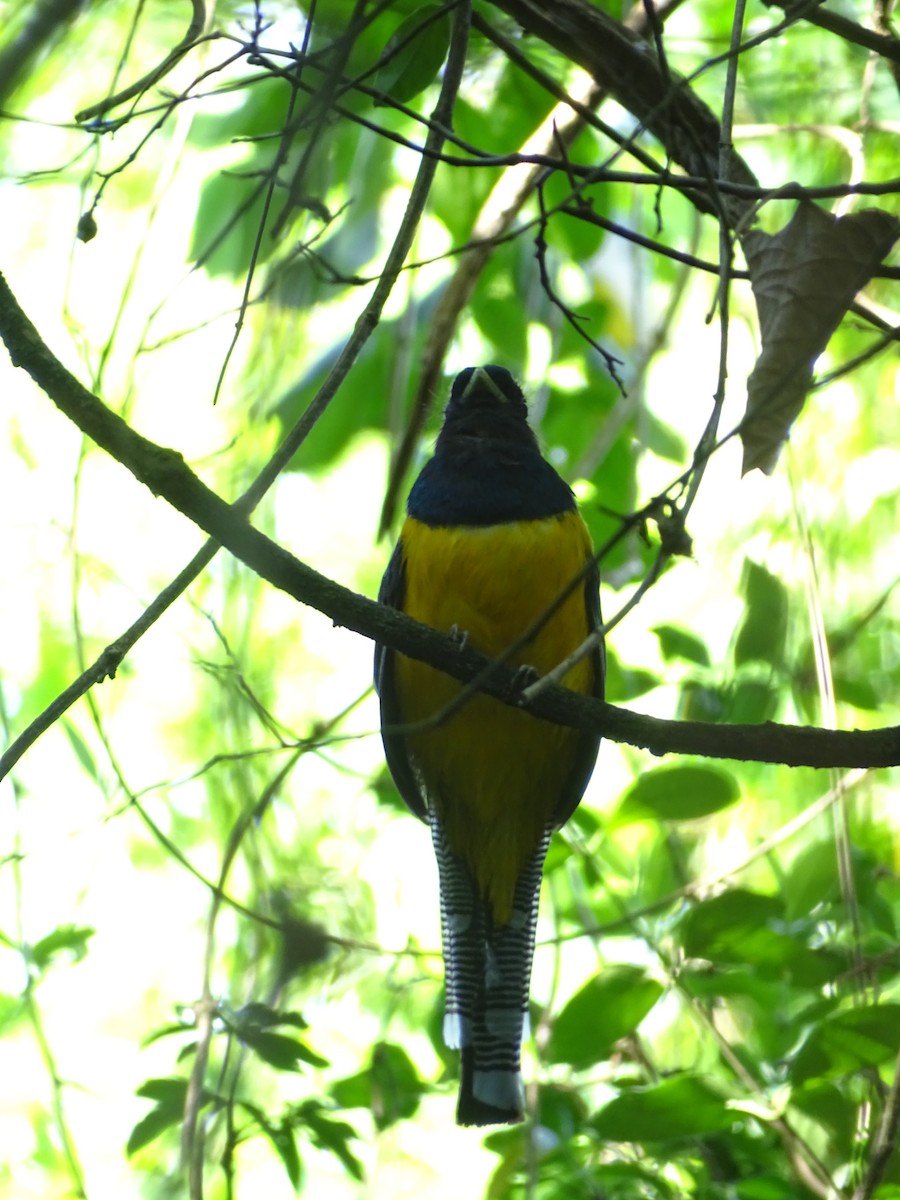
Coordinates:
487 971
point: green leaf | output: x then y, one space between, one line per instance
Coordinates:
167 1031
630 1180
70 940
279 1051
421 43
282 1138
762 633
701 702
562 1109
354 1091
260 1016
752 701
281 1135
677 794
748 928
720 928
848 1041
260 110
684 1106
858 691
662 439
675 642
829 1105
396 1086
170 1095
150 1127
624 683
170 1090
502 322
329 1134
568 427
390 1087
765 1187
226 246
608 1007
11 1009
811 880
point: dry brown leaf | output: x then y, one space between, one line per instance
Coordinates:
804 278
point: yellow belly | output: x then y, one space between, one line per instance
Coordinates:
494 775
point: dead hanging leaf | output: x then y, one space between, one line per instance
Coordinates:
804 279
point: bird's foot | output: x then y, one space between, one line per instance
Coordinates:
525 677
460 636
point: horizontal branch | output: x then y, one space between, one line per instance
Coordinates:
851 31
166 474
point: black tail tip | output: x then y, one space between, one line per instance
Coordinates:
504 1088
472 1111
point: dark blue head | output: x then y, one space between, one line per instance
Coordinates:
487 403
487 467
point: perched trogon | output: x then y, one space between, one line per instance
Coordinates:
491 540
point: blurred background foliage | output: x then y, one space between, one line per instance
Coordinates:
219 966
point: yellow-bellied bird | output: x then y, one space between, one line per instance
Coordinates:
491 540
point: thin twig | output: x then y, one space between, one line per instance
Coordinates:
268 193
194 30
885 1141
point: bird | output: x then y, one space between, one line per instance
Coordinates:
491 541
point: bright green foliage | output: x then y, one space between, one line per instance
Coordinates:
676 1108
677 794
607 1008
389 1086
218 924
414 53
761 635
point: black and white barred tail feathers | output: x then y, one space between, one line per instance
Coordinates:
487 972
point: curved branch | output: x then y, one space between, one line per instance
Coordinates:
625 66
166 474
194 30
884 44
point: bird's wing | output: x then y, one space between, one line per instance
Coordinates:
392 592
589 743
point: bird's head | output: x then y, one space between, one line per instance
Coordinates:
487 403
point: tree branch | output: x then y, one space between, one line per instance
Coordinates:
625 66
166 474
884 44
159 72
